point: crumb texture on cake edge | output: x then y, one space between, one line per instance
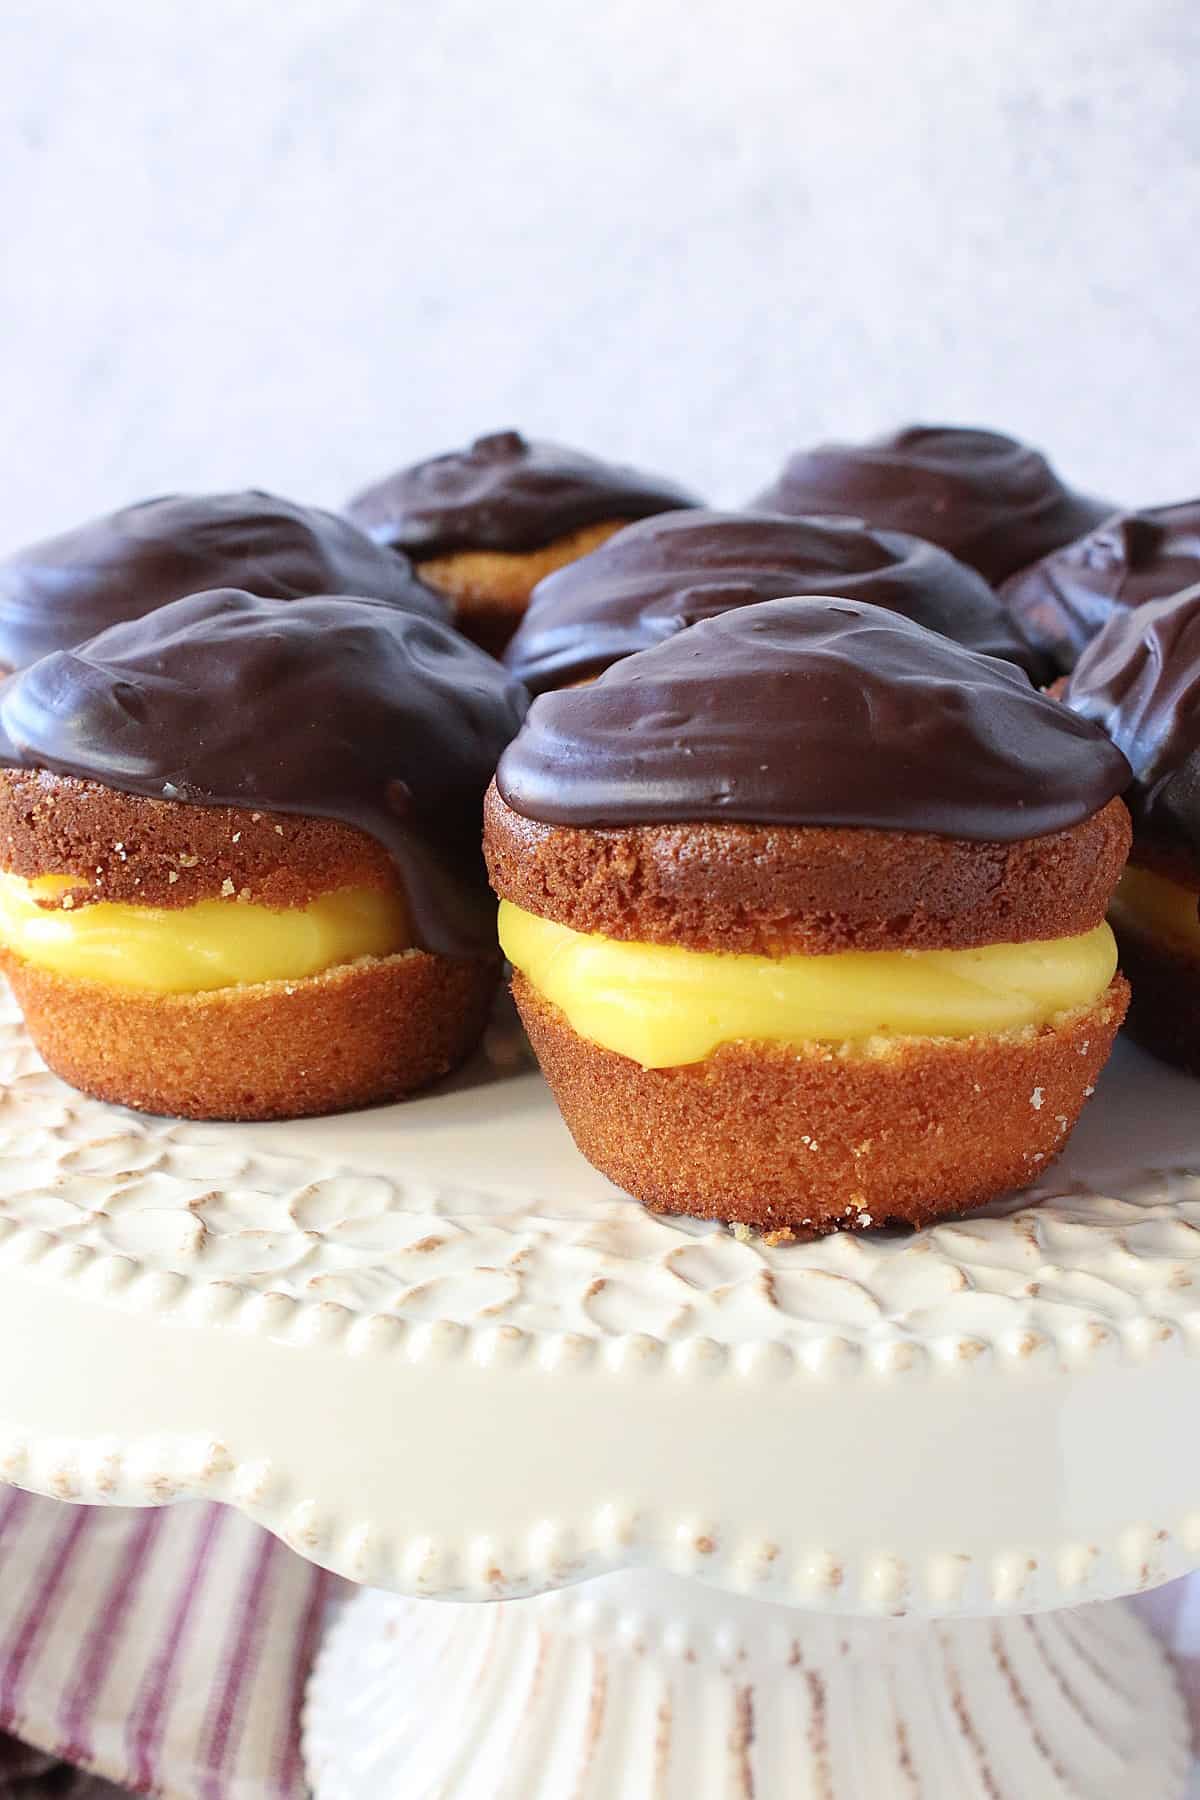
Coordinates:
816 890
807 1139
357 1035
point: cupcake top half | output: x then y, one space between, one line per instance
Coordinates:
485 524
66 589
990 500
1063 601
1139 680
657 577
326 708
505 492
812 712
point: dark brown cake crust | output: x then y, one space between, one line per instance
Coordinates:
804 1140
773 889
169 853
357 1035
1164 1016
489 590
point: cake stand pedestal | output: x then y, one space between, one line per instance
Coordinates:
643 1686
827 1505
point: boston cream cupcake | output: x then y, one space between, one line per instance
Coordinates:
55 594
1140 680
807 912
657 577
240 850
484 525
1061 602
989 500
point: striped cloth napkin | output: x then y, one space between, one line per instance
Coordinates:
164 1649
1173 1613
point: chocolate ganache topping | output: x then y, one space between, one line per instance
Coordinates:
989 500
57 593
1061 602
1140 681
330 707
812 712
656 578
506 493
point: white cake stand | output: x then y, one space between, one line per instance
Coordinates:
834 1493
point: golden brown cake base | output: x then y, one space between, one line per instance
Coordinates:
367 1032
1164 1015
490 589
802 1140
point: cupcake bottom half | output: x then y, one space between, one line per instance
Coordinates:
1164 1016
217 963
489 590
1157 922
807 1138
352 1036
807 1029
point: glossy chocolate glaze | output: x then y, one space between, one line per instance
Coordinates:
330 707
655 578
506 492
988 499
1140 681
58 593
812 712
1061 602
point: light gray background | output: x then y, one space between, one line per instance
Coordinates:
293 242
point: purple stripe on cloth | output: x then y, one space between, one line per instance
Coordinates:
1173 1615
15 1502
291 1757
147 1721
1163 1608
38 1614
226 1716
163 1649
102 1641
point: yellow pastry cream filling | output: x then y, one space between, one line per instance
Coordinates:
1160 908
663 1006
193 949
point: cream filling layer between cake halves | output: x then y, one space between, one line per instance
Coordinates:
194 949
663 1006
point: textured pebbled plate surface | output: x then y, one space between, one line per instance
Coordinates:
435 1350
